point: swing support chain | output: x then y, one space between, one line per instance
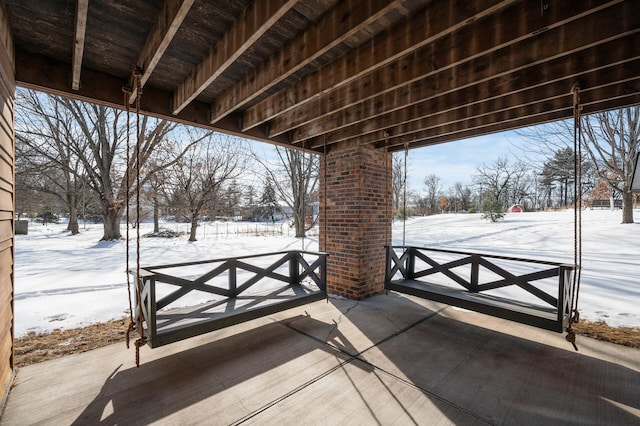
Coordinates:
574 314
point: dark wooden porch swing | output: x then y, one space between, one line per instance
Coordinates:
241 289
547 292
473 281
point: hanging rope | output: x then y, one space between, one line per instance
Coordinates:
574 314
324 202
389 171
127 95
404 197
142 339
324 196
136 165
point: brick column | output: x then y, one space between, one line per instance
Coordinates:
355 218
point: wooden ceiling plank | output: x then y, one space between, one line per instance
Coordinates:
48 75
82 9
585 66
6 39
536 99
346 19
255 20
536 50
516 118
515 25
412 33
167 25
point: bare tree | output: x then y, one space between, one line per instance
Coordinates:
610 142
49 148
463 196
87 143
398 180
197 178
433 189
295 179
109 175
505 182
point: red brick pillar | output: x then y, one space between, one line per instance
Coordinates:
355 218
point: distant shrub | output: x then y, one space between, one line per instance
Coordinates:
491 208
402 214
163 233
47 217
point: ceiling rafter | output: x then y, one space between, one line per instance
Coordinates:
345 20
80 23
411 34
586 66
543 47
256 19
493 110
167 25
517 117
38 72
423 71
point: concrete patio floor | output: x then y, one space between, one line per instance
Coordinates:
390 359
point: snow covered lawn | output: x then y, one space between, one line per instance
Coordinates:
64 281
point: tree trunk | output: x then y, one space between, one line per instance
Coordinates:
156 221
73 214
299 224
627 206
73 221
194 227
111 216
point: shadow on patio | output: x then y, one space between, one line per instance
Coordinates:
385 360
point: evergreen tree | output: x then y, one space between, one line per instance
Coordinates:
491 207
268 201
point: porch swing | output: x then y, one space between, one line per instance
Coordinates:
538 293
239 289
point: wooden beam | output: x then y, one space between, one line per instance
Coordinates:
82 8
412 33
535 100
515 118
245 31
498 32
510 89
6 37
169 21
51 76
460 72
346 19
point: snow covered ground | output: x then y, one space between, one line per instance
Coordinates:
65 281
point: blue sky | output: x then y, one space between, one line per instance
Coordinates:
451 162
457 161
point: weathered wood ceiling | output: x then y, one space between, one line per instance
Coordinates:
313 73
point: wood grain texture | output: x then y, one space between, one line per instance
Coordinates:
301 73
167 25
412 33
254 22
347 19
457 61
